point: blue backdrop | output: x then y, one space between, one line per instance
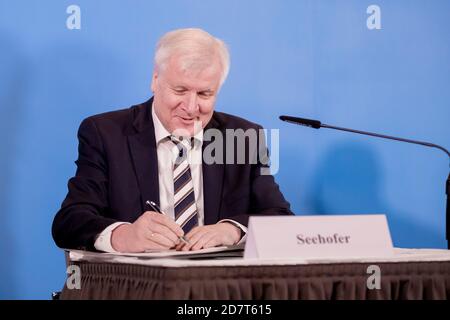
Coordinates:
311 58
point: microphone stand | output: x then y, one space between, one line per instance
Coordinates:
447 227
317 125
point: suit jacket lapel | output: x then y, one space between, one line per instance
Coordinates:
212 183
143 152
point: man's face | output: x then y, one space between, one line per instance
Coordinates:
184 97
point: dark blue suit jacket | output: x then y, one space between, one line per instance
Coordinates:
117 171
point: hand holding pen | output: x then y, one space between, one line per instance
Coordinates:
156 208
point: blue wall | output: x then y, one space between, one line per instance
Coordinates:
314 59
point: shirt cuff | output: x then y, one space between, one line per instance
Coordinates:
240 226
103 242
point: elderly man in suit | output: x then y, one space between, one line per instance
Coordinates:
147 154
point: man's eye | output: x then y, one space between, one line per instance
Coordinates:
180 91
205 94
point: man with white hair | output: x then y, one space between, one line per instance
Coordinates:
135 162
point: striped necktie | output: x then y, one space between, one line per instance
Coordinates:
185 208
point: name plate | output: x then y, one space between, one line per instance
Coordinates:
313 237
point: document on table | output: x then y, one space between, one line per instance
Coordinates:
214 252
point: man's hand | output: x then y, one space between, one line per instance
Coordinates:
202 237
151 230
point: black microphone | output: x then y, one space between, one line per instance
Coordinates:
302 121
317 125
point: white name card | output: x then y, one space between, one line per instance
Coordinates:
313 237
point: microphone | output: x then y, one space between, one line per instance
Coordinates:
317 125
302 121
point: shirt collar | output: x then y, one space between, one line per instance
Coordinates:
161 132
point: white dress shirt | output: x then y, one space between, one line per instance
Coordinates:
167 153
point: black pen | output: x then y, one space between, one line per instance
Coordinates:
156 208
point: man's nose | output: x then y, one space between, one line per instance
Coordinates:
192 103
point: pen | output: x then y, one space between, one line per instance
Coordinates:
156 208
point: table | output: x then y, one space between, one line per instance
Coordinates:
410 274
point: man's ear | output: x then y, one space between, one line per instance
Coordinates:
154 80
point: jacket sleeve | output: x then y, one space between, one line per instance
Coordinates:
83 213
